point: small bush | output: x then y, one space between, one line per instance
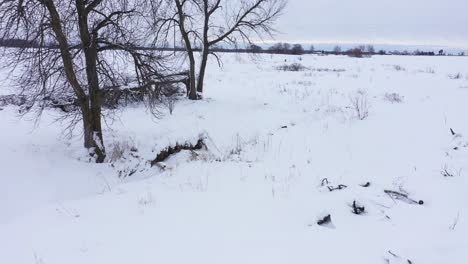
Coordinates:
280 48
360 105
393 98
430 70
360 51
118 151
398 68
297 49
337 50
295 67
455 76
12 99
355 53
370 49
170 102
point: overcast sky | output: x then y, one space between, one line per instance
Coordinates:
427 22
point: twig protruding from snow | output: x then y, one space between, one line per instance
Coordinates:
455 222
358 209
445 172
324 221
339 187
365 185
454 134
402 197
397 258
324 182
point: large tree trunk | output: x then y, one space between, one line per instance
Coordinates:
201 75
206 47
92 122
192 93
90 104
92 114
92 132
94 128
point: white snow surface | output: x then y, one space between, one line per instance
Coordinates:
255 195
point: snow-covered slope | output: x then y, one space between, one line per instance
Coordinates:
276 142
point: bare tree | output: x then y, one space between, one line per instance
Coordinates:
355 52
280 48
78 47
337 50
297 49
255 48
311 49
207 23
370 49
362 48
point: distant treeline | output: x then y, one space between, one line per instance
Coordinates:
358 51
17 43
278 48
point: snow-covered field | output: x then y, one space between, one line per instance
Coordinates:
277 140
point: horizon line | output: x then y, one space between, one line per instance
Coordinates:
463 46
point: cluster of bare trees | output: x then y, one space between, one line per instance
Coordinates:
210 23
358 51
87 49
286 48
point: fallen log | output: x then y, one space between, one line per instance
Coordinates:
112 96
171 150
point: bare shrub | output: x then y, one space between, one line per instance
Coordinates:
280 48
298 90
393 98
360 105
170 102
455 76
455 222
337 50
297 49
370 49
12 99
295 67
171 96
147 199
398 68
328 70
119 150
238 148
450 172
355 53
303 83
361 51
